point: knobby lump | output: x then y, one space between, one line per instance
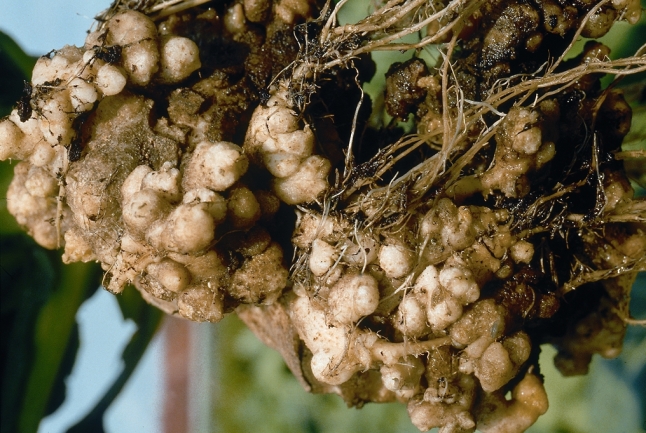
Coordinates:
192 153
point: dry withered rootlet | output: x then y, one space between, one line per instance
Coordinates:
222 157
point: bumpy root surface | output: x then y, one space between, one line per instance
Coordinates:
192 150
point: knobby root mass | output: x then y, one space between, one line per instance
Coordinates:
223 158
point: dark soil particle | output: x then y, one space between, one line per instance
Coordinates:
403 94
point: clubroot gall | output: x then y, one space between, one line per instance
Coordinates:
193 148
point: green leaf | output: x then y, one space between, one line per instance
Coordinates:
54 328
148 320
36 356
16 66
26 281
10 50
59 388
131 304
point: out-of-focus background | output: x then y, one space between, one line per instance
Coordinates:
131 370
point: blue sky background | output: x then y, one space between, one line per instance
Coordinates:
40 26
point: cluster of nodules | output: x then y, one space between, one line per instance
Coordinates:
408 304
278 141
45 131
173 182
162 201
67 83
435 309
504 38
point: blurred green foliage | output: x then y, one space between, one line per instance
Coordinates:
257 393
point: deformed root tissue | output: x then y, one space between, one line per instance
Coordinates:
224 158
